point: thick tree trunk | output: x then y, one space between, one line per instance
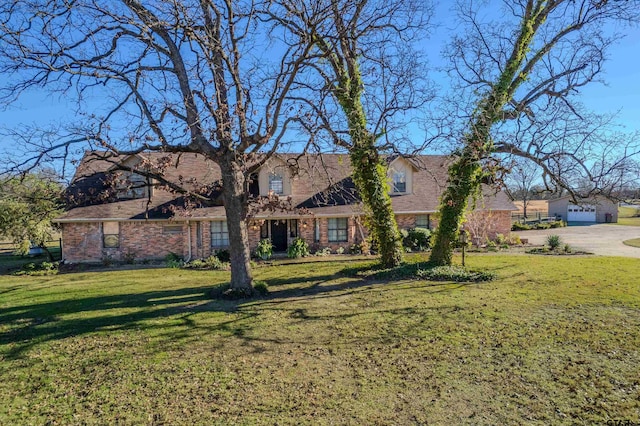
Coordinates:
235 204
370 177
370 174
464 182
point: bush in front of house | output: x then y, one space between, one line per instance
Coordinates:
265 249
173 260
416 239
223 255
212 263
323 252
360 248
298 248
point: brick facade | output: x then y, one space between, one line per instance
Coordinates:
83 242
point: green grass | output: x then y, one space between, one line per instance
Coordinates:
628 216
635 242
550 341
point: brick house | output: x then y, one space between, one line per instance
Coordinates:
143 220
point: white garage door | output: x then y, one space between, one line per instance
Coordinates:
585 213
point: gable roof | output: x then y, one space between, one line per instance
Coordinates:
320 183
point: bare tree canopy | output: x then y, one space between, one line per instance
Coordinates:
366 73
173 76
525 67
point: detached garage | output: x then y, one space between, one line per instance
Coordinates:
597 210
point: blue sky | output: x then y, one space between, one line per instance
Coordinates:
621 95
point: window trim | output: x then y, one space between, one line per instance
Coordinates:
293 228
399 178
110 234
276 177
134 186
333 226
428 218
220 234
172 229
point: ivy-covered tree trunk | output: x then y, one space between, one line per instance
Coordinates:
466 173
464 182
370 177
369 171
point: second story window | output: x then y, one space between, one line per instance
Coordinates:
399 182
132 185
275 184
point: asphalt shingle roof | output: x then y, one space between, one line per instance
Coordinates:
319 183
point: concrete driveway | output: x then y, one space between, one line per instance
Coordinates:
601 239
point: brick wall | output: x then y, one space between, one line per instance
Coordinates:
82 242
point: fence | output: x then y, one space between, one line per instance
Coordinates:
8 249
537 217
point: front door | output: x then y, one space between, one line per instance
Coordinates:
279 235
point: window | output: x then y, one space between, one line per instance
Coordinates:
338 229
316 231
111 234
132 186
422 221
198 234
172 229
275 184
293 228
219 234
399 182
264 230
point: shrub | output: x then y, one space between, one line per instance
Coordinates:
261 288
513 239
298 248
454 273
223 255
417 239
324 252
340 250
491 245
567 248
107 260
557 224
500 239
360 248
543 226
129 257
517 226
554 241
44 268
211 262
173 260
265 249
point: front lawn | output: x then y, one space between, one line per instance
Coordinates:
551 341
629 216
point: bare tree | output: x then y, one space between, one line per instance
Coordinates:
521 182
523 68
177 76
366 73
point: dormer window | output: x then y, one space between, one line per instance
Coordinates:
132 186
399 182
276 184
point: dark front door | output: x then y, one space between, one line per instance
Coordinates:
279 235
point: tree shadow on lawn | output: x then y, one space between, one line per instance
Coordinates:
30 325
